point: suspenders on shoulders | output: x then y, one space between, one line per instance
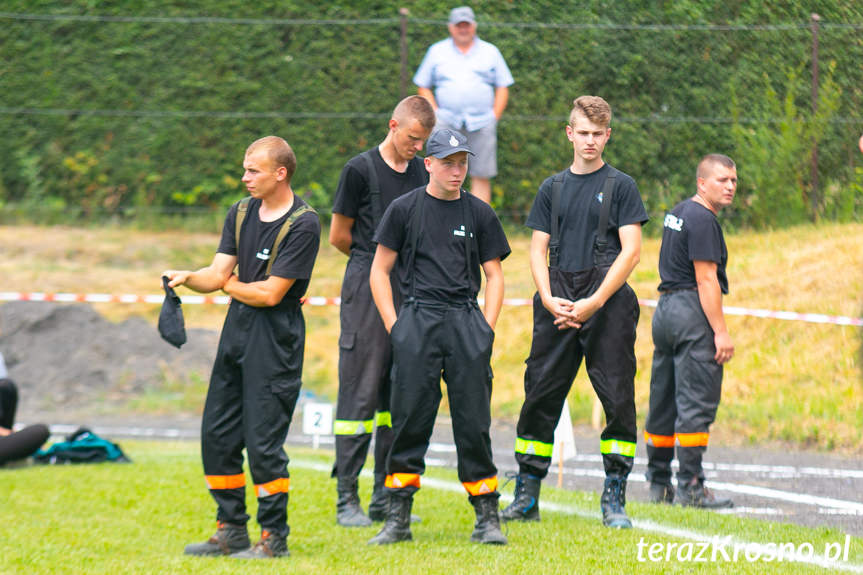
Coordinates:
601 229
374 188
243 207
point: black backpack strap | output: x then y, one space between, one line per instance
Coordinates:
554 242
602 229
284 232
374 188
242 208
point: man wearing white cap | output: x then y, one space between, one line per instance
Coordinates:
471 83
441 237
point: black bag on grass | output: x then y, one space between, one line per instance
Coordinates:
82 446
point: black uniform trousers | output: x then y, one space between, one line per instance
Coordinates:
24 442
607 343
685 387
431 339
365 360
253 391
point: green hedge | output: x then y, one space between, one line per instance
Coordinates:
122 116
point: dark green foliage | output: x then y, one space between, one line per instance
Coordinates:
138 109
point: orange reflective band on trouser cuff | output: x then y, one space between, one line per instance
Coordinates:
280 485
481 487
225 481
399 480
692 439
658 440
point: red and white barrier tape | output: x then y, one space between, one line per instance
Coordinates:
324 301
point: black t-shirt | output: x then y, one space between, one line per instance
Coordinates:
580 204
439 265
690 232
354 200
297 252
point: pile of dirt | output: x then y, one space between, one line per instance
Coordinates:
69 355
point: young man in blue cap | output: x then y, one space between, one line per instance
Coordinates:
440 236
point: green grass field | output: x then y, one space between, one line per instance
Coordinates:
136 518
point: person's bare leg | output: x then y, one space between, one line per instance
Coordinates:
481 188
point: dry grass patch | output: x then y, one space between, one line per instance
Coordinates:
790 381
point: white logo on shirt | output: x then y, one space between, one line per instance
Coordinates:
264 255
460 232
672 222
599 197
452 141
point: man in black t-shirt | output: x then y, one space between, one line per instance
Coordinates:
586 241
440 237
272 239
369 183
691 341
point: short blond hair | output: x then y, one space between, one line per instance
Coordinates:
279 151
594 109
415 108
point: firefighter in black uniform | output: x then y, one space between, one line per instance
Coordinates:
273 237
587 220
369 183
691 341
441 237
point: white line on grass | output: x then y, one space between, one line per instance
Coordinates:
645 525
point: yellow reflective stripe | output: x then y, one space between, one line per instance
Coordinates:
384 419
618 447
280 485
353 427
225 481
531 447
481 487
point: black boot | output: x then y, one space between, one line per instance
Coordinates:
270 546
398 525
380 499
487 526
227 539
348 510
525 505
695 494
661 493
613 503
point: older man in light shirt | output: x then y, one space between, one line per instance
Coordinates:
471 83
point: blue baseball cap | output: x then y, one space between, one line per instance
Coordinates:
445 143
462 14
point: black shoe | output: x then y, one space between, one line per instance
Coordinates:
398 524
613 503
227 539
525 505
270 546
487 527
380 499
695 494
661 493
348 510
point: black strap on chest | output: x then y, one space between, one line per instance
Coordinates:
374 188
601 243
243 207
416 232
